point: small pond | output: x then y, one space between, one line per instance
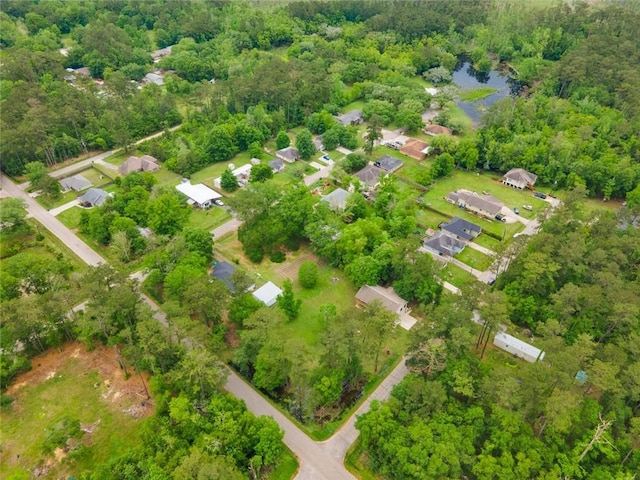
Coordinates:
465 77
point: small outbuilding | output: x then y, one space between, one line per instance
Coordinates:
518 348
288 154
268 294
199 194
77 183
276 165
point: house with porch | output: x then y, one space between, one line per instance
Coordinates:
520 179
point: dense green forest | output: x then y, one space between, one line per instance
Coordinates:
576 123
239 77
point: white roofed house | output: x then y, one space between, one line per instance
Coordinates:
519 178
268 294
518 348
199 194
242 174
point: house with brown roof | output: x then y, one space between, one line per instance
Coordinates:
145 163
415 148
519 178
386 296
437 130
483 205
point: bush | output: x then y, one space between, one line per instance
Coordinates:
254 254
308 274
59 434
278 257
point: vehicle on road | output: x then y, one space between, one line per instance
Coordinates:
539 195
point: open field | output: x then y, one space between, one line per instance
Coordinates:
208 219
473 94
49 203
70 218
86 386
456 276
475 259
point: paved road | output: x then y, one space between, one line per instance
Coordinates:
230 226
65 235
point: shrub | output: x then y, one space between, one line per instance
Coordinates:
308 274
277 257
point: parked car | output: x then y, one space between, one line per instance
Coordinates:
539 195
326 157
527 207
218 202
501 217
516 210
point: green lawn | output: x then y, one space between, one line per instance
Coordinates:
474 259
488 242
70 391
208 219
118 158
166 177
47 202
70 218
99 176
473 94
456 276
456 114
286 466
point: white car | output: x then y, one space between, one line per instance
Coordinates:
527 207
218 202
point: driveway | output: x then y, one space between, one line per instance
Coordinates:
228 227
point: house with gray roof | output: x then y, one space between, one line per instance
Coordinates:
483 205
145 163
389 163
519 178
276 165
94 197
77 183
370 175
353 117
337 199
461 229
288 154
441 244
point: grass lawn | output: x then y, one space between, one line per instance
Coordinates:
85 386
166 177
456 276
475 259
357 462
488 242
357 105
286 466
70 218
208 219
99 176
47 202
118 158
456 114
473 94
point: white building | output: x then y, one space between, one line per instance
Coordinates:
199 194
518 348
268 293
242 174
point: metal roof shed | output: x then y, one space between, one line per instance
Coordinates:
268 293
518 348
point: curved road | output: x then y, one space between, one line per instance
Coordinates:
318 460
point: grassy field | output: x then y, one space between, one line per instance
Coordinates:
475 259
70 218
286 467
47 202
456 276
167 178
85 386
208 219
473 94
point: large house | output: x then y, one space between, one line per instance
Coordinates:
389 163
461 229
94 197
199 194
370 175
415 148
145 163
442 244
337 199
354 117
77 183
387 296
288 154
519 178
483 205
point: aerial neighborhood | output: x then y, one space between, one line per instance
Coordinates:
320 240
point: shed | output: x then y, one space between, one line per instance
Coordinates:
77 183
288 154
337 199
268 293
199 194
94 197
387 296
389 163
517 347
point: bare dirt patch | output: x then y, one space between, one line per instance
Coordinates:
290 269
117 388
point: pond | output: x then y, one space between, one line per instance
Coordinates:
465 77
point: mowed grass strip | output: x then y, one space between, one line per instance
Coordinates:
475 259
